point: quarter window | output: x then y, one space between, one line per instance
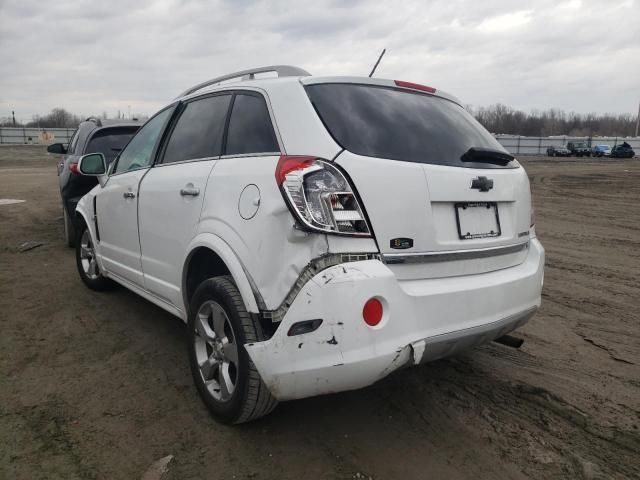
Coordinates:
250 128
198 131
139 152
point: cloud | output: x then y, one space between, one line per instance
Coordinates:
505 22
92 57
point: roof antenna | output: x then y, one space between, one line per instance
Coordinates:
376 65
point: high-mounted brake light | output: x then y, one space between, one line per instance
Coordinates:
415 86
73 167
320 196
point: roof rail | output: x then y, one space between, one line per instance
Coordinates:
95 120
281 70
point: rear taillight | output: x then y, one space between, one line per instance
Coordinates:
320 196
532 222
73 167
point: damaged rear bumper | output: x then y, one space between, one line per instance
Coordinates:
423 320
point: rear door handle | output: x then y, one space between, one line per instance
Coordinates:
129 195
190 191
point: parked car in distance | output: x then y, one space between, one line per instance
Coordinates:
553 151
308 246
622 151
579 149
94 135
601 151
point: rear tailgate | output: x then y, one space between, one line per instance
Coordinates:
434 213
412 210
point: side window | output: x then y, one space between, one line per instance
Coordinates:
138 153
250 128
198 131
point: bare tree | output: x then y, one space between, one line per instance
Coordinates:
503 119
57 118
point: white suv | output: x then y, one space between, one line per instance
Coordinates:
315 233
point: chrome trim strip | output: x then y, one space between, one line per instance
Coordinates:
446 344
244 155
451 255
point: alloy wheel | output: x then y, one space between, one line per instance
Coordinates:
88 256
216 351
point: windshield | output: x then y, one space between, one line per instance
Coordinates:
400 125
110 141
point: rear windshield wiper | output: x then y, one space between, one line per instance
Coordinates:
486 155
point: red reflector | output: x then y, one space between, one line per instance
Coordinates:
415 86
289 163
73 167
372 312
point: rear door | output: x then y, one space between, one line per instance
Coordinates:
172 193
117 202
436 207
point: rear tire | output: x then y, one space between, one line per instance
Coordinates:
218 328
69 229
87 263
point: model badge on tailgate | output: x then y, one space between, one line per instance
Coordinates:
401 243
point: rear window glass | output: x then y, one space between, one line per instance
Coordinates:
110 141
399 125
250 128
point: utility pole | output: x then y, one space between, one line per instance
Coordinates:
638 120
13 115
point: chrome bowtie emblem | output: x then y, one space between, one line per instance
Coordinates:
483 184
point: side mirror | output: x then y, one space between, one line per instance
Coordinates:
92 164
58 148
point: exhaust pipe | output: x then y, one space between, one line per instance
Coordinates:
510 341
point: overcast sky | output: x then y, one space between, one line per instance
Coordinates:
91 57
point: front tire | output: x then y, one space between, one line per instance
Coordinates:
218 328
87 263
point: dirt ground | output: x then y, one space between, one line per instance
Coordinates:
97 385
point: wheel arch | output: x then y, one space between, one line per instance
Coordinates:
80 215
206 254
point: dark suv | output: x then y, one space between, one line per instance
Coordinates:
92 136
622 151
554 151
579 149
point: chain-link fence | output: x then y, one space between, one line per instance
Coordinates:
518 145
34 136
